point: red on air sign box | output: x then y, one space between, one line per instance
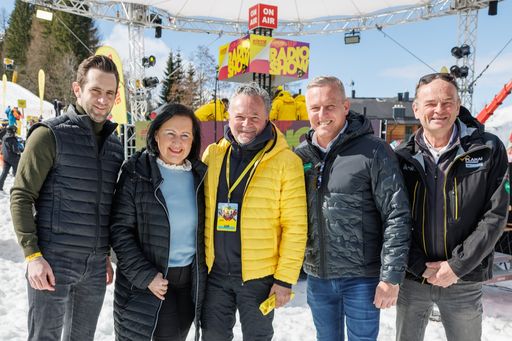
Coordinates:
262 15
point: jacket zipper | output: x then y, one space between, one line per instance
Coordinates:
413 208
321 235
98 190
196 321
423 221
455 199
167 263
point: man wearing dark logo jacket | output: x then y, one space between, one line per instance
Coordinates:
358 217
67 174
456 174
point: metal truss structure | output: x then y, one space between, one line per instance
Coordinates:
468 26
120 12
138 17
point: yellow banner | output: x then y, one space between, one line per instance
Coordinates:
41 79
4 90
119 110
141 131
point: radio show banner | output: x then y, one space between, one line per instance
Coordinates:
285 60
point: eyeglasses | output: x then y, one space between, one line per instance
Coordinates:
433 76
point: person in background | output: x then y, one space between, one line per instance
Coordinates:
8 111
157 232
255 230
13 116
213 111
358 214
283 107
456 175
10 153
67 175
300 104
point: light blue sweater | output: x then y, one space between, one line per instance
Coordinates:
180 199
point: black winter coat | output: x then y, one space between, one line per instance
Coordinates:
140 238
358 210
474 207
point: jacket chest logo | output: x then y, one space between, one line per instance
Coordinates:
407 167
473 162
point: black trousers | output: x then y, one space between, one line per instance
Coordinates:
177 311
5 171
224 295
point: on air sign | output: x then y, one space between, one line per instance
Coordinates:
262 15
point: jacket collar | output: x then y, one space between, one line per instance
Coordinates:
358 125
144 166
78 116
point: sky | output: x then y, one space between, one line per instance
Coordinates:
377 66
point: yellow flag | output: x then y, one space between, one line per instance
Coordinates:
119 109
4 90
41 79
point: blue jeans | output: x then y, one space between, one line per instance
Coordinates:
460 306
72 310
336 301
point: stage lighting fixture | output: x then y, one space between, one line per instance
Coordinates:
493 8
150 82
353 37
459 72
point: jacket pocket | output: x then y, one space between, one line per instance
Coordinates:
56 212
455 200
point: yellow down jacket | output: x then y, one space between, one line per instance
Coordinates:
273 224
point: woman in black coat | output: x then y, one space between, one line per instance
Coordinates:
157 232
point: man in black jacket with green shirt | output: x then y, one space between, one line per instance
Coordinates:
456 174
67 173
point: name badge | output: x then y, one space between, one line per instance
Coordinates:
227 216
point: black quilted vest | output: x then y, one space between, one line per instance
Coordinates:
73 208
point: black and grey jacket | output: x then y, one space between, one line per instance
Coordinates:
140 235
358 211
459 205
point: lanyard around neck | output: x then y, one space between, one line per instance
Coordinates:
256 158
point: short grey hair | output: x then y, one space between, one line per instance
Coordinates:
252 89
327 80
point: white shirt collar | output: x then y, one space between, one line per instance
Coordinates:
186 166
436 152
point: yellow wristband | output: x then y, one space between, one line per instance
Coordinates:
33 256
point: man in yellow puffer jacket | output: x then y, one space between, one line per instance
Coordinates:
213 110
283 107
256 226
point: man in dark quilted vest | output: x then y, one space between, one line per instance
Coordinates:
66 176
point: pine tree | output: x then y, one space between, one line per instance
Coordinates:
17 35
190 86
168 79
82 27
59 66
177 90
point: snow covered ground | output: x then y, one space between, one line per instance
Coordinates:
292 323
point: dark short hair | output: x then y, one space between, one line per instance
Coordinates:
102 63
427 79
165 113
